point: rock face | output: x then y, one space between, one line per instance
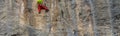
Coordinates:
65 18
9 17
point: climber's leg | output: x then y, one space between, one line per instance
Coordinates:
39 10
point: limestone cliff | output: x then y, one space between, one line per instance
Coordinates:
65 18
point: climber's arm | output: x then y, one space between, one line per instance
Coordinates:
44 7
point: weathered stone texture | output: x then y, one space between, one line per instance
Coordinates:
65 18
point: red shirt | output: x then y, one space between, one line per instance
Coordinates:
41 7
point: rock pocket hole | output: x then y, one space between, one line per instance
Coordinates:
15 35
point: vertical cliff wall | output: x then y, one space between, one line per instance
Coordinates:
65 18
9 17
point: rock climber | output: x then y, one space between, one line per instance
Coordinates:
41 6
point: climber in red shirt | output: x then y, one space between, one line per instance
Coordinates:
41 7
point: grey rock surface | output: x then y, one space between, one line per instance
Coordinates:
65 18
